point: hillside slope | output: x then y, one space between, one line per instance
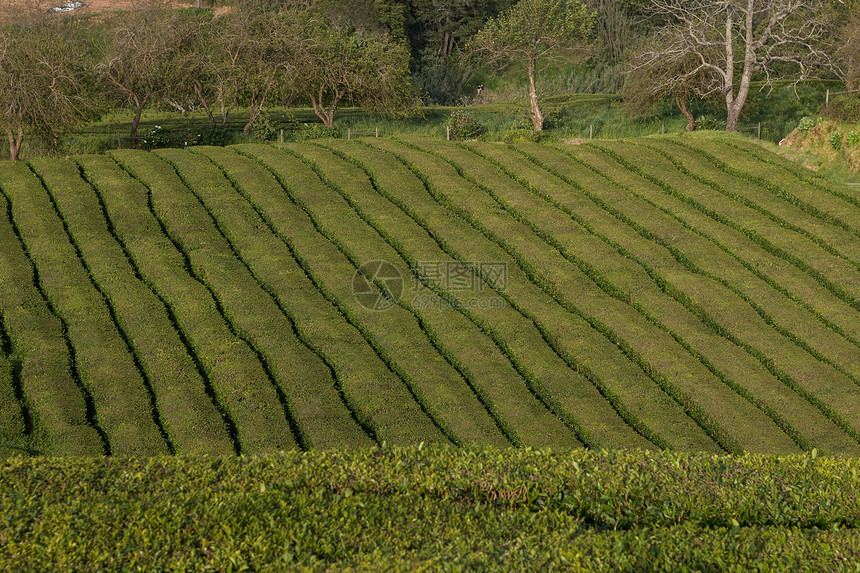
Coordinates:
679 292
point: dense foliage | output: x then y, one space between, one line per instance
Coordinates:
440 508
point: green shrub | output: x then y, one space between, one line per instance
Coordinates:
157 138
836 140
852 138
464 125
808 122
708 122
212 135
843 108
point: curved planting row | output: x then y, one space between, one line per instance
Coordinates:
432 375
665 249
436 237
104 368
837 209
785 166
235 379
305 372
834 348
556 229
562 285
697 296
501 378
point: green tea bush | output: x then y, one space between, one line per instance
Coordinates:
708 122
408 508
464 125
852 138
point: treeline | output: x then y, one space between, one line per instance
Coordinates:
392 56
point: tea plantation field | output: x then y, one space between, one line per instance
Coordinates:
685 293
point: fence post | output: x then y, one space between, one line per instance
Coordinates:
281 136
448 132
662 128
827 97
759 130
377 132
590 131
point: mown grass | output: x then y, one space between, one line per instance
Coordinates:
438 508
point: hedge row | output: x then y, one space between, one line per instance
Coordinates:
529 294
521 399
226 369
302 378
745 338
562 199
557 371
741 333
119 403
396 335
691 407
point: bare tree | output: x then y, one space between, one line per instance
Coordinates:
849 52
251 56
143 56
40 80
732 41
646 86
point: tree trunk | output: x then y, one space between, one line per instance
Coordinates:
15 143
536 115
198 87
681 102
735 103
135 122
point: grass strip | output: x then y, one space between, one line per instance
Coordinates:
325 412
517 394
561 290
231 371
423 368
176 388
453 237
